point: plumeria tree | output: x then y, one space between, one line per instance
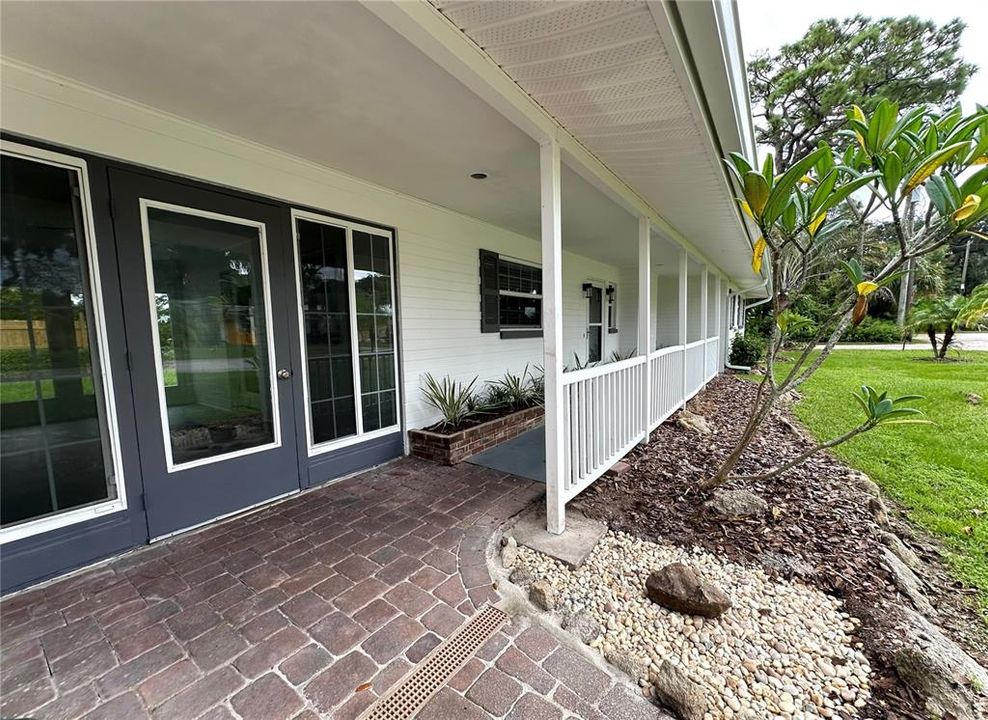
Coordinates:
926 173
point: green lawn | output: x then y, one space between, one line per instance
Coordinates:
938 472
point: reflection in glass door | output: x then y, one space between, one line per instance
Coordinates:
57 455
595 324
211 329
346 296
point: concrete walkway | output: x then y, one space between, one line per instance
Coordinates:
309 608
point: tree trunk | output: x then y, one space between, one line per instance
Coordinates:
931 333
948 336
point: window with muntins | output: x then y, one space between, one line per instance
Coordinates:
511 295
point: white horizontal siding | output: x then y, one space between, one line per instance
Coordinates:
440 311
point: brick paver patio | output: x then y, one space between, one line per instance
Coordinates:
310 608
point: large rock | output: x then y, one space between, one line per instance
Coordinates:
898 548
583 626
953 684
678 588
678 692
906 582
879 513
864 483
628 662
736 503
509 553
542 594
692 421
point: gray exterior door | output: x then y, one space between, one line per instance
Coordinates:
208 328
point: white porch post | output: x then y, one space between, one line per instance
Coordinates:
645 313
718 322
704 330
552 333
684 268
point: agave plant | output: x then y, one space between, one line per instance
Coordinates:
455 401
518 391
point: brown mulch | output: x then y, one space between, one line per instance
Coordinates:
817 517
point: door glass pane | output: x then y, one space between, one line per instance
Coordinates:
375 329
212 327
323 273
54 445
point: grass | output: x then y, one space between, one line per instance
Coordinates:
938 472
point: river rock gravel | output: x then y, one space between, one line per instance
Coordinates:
783 649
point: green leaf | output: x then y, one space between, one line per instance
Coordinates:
845 190
929 165
780 195
755 192
891 172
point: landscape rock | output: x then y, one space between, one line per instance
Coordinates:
864 483
677 587
950 680
692 421
787 565
634 666
902 551
906 581
678 692
541 593
974 398
736 503
879 513
509 552
521 575
582 625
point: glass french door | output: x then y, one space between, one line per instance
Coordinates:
209 345
59 450
345 274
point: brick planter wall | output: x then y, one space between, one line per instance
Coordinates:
457 447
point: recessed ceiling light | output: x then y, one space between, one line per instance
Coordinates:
479 175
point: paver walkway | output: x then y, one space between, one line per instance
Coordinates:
312 607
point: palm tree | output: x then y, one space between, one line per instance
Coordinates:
947 315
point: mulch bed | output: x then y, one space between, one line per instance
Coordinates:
817 517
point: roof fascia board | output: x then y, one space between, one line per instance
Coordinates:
433 34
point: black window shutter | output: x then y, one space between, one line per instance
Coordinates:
490 318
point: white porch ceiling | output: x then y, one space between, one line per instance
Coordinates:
602 70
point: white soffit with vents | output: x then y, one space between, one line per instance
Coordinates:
620 78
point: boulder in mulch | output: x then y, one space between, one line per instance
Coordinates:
787 566
583 626
951 681
692 421
906 582
678 692
879 513
864 483
735 504
678 588
542 594
898 548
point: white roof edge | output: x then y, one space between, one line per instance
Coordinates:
432 32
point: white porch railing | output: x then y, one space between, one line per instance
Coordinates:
603 418
666 366
713 358
694 367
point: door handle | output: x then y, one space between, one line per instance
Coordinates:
284 374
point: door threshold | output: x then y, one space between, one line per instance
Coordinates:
240 511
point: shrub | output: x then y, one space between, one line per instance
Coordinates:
517 391
747 350
874 330
455 401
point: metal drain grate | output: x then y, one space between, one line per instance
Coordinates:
413 691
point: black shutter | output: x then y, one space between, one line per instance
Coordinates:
490 316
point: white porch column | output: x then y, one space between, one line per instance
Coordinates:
684 268
645 312
704 330
718 322
552 333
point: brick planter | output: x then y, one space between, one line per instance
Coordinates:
449 449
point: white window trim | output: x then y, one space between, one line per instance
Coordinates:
119 503
171 465
315 449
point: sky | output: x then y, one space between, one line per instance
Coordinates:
768 24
